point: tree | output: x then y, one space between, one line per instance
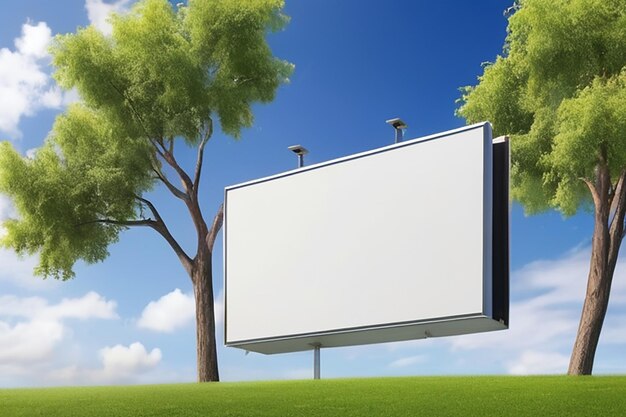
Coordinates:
160 79
559 91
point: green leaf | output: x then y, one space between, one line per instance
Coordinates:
559 93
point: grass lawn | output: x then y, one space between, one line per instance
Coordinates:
423 396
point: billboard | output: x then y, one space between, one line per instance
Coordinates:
403 242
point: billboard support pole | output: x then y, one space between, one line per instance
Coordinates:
300 151
398 125
316 360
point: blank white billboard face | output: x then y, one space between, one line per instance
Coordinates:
391 244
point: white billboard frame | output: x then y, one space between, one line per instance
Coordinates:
491 315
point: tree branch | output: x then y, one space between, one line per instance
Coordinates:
593 190
159 150
127 223
151 206
218 220
191 197
616 229
168 157
617 191
205 139
173 189
159 225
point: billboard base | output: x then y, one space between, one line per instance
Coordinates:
360 336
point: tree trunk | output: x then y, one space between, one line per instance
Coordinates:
200 268
202 277
596 300
606 241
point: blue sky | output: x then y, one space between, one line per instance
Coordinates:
358 63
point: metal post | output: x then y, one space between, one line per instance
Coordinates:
316 360
398 126
300 151
398 135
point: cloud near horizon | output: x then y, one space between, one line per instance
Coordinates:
545 308
33 331
119 361
408 361
547 298
119 365
31 328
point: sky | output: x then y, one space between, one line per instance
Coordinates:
130 319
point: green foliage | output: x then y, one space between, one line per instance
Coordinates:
558 92
228 37
162 72
414 396
160 77
88 170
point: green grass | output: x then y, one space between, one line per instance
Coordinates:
423 396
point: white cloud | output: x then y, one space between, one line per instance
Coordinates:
36 338
52 98
175 310
34 348
27 307
91 305
98 13
27 342
170 312
533 362
408 361
34 40
544 319
24 85
18 271
119 365
120 361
